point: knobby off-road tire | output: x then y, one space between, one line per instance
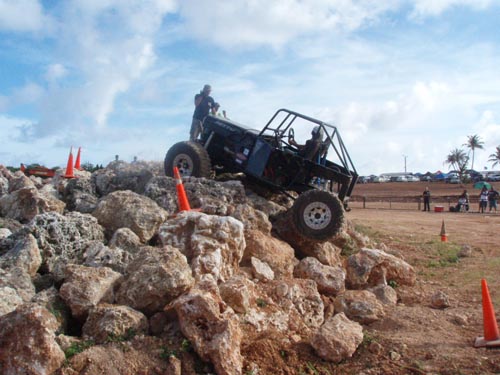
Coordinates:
317 214
191 159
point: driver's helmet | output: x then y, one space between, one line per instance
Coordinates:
317 133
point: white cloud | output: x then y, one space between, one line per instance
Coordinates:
436 7
55 72
22 15
109 46
428 97
9 129
4 102
389 92
246 24
29 93
423 123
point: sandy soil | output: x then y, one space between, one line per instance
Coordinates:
430 340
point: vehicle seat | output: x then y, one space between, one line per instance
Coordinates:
311 150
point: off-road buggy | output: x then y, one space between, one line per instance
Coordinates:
273 160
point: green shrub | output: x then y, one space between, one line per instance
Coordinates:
128 335
261 302
78 347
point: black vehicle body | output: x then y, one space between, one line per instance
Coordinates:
267 156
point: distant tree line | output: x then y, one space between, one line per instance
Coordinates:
89 167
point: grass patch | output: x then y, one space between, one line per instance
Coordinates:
393 284
184 347
444 253
312 368
368 338
261 302
78 347
128 335
489 271
367 231
57 313
184 351
283 354
166 353
349 248
58 308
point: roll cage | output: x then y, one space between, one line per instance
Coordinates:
341 169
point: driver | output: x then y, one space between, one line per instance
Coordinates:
312 146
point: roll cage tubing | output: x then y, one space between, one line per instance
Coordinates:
291 116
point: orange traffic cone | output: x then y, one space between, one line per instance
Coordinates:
69 166
77 162
444 237
491 336
181 193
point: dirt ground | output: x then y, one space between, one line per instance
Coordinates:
433 341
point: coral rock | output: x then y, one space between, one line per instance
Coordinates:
337 339
112 322
86 287
27 342
211 326
372 267
131 210
154 279
212 244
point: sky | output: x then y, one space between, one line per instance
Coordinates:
405 82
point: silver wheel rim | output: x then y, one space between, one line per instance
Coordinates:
184 163
317 215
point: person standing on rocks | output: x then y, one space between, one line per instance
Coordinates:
203 103
427 199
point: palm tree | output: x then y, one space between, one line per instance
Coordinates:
473 143
495 158
458 161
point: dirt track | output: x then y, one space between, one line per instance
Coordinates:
432 341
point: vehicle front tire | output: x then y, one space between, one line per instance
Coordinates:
191 159
317 214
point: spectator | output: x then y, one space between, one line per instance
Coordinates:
203 103
463 202
427 199
483 199
492 198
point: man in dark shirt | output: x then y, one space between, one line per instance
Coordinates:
203 103
492 198
427 199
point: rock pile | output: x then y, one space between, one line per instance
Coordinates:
99 274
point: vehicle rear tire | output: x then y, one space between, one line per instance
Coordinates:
317 214
191 159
